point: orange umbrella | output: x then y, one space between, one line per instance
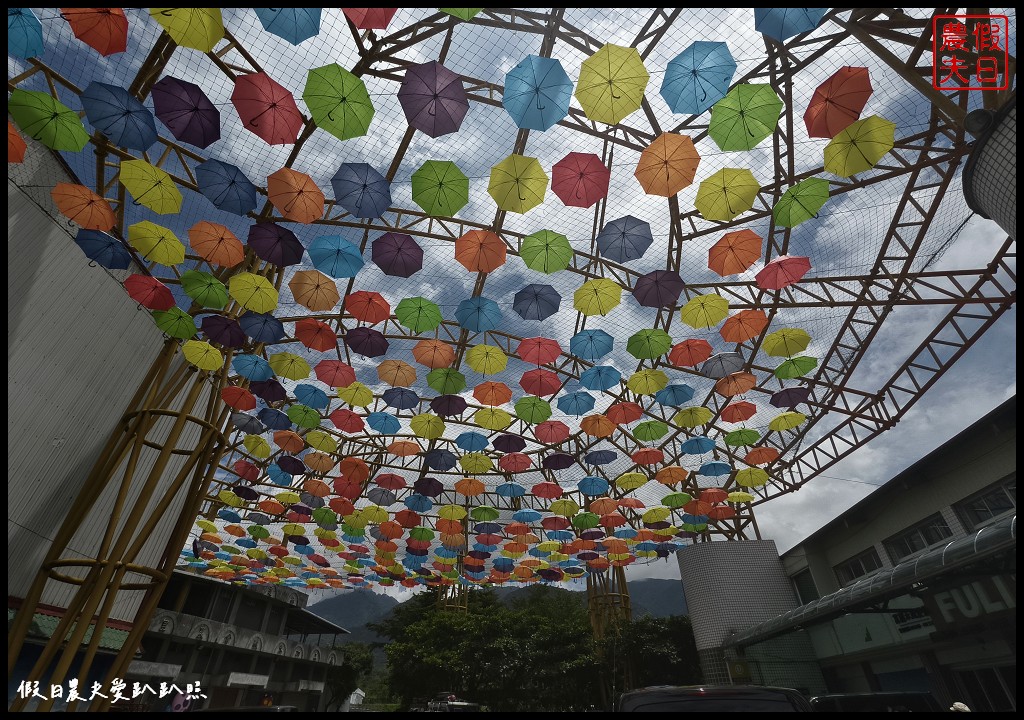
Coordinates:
404 448
316 335
743 326
367 306
667 165
604 505
735 384
480 251
735 252
396 373
216 244
318 462
738 411
697 507
103 29
761 456
671 474
713 495
469 486
631 502
83 206
690 353
720 512
314 290
289 441
433 353
492 393
316 488
15 145
295 195
597 425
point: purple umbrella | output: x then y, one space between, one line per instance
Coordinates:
271 391
275 244
658 288
245 492
186 111
433 98
291 465
431 487
558 461
790 397
361 190
366 341
224 331
397 254
592 534
300 509
509 443
449 405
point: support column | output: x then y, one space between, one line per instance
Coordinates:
608 601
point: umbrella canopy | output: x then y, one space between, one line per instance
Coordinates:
658 288
540 382
338 101
367 306
690 353
667 165
82 206
440 188
175 323
204 288
289 366
801 202
197 28
517 183
783 271
838 101
611 83
275 243
253 292
335 256
366 341
316 335
624 239
738 411
292 24
860 146
745 116
783 23
400 398
674 395
186 111
397 254
418 314
735 383
743 326
271 391
478 314
492 418
597 297
647 382
537 93
433 353
149 292
726 194
704 311
591 344
46 119
370 18
226 187
790 397
552 432
224 331
427 425
150 186
356 394
267 108
795 367
103 249
105 30
15 145
446 380
156 243
295 195
597 426
698 77
538 350
785 342
433 98
533 409
119 115
578 403
492 393
624 412
546 251
722 364
486 359
335 373
787 421
648 344
216 244
314 290
580 179
361 190
735 252
252 367
480 251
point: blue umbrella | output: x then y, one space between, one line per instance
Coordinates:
783 23
600 457
418 503
440 459
119 115
24 33
230 515
103 249
504 564
478 314
579 403
312 396
674 395
593 486
274 419
537 93
291 24
226 187
510 490
472 441
561 535
361 190
698 77
262 327
715 468
401 398
591 344
278 476
625 533
624 239
600 377
384 423
487 527
252 367
697 445
336 256
246 542
536 302
526 515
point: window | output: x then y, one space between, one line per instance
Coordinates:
992 502
932 531
803 583
864 564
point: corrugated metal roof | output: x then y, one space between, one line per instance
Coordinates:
43 626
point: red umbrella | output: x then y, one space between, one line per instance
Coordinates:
540 382
316 335
690 353
391 481
713 495
407 518
370 18
783 271
335 373
720 512
15 145
514 462
555 522
538 350
552 432
580 179
547 490
267 108
149 292
738 411
735 252
622 413
346 420
103 29
238 398
368 306
761 456
838 102
648 456
246 470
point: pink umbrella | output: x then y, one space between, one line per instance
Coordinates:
783 271
267 108
370 18
580 179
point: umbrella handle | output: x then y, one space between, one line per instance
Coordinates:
166 13
521 197
616 97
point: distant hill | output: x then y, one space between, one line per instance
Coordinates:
658 598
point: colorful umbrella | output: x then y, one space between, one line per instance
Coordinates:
745 116
674 395
156 243
648 344
197 28
860 146
292 24
366 341
427 425
667 165
546 251
517 183
480 251
532 409
150 186
492 418
578 403
418 314
738 411
536 302
735 252
597 297
82 206
216 244
783 23
119 115
446 380
722 364
226 187
650 430
726 194
690 353
149 292
492 393
46 119
275 243
267 108
465 14
262 327
597 426
295 195
785 342
252 367
335 373
400 398
316 335
397 254
15 145
759 456
338 101
433 354
624 239
433 98
486 359
795 367
186 111
735 383
103 29
361 191
783 271
203 355
790 397
658 288
540 382
698 77
335 256
314 290
751 477
704 311
370 18
356 394
611 83
743 326
838 101
537 93
591 344
24 33
647 382
204 288
478 314
175 322
786 421
103 249
538 350
801 202
253 292
440 188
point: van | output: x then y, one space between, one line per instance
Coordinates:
894 701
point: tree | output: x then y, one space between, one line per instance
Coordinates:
343 679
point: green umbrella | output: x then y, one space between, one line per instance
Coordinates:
742 436
650 430
518 183
484 513
546 251
801 202
586 520
466 14
648 344
440 188
418 314
47 120
533 409
795 367
446 381
676 500
726 194
786 342
204 288
304 416
421 533
745 116
475 463
338 101
175 322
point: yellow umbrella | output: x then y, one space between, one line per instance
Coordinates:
612 83
486 359
229 498
549 545
492 418
597 297
202 354
357 520
630 481
427 425
475 463
396 373
294 529
657 514
726 194
691 417
704 311
518 183
786 421
287 497
564 507
374 514
150 186
206 525
356 394
739 496
289 365
253 292
860 146
786 342
197 28
156 243
751 477
451 512
256 554
319 440
257 446
647 382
